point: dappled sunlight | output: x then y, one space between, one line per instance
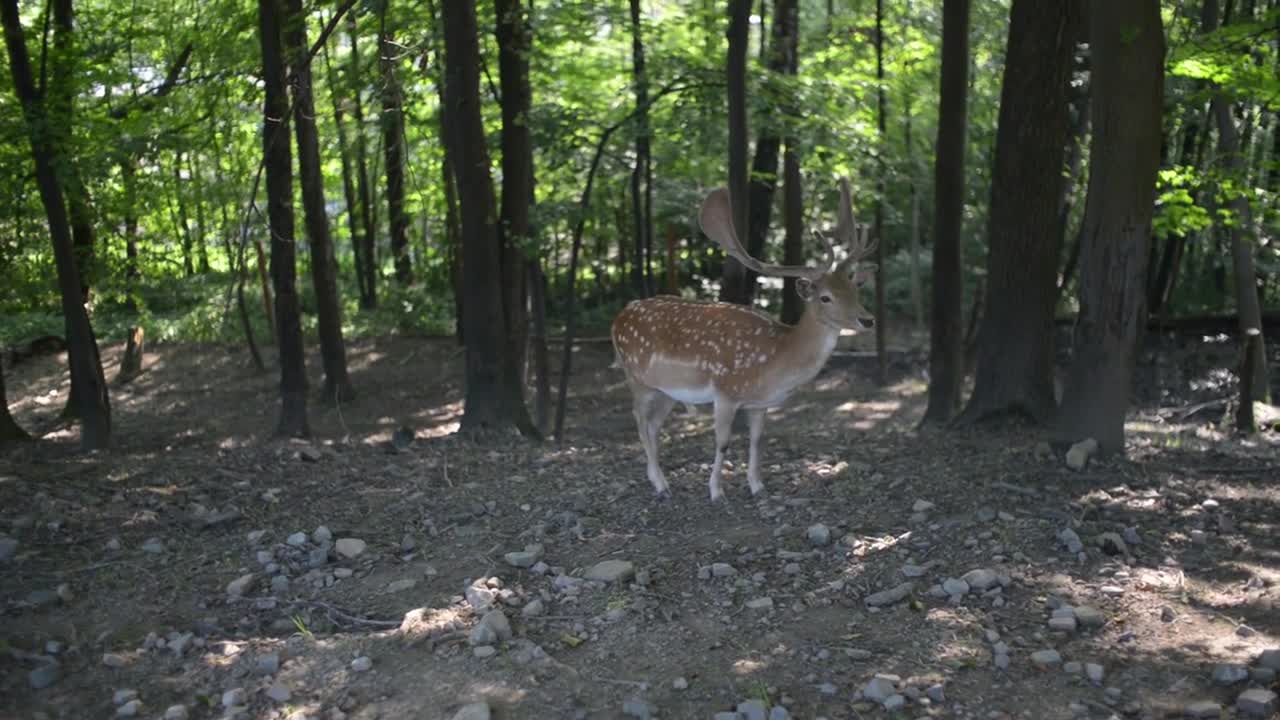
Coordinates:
749 666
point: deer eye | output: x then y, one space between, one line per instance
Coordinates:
825 298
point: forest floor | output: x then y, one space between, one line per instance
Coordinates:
201 569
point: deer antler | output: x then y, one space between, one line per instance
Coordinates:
716 219
857 237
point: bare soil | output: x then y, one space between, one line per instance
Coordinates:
119 548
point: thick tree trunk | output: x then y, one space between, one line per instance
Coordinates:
1015 340
61 108
324 268
1127 46
641 174
10 430
279 170
491 403
793 222
394 155
368 239
93 404
946 337
517 183
733 276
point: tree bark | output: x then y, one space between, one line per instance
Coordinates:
10 430
369 238
1127 45
394 155
793 222
641 175
324 268
92 402
882 320
491 402
348 179
61 107
1015 341
279 171
733 276
946 337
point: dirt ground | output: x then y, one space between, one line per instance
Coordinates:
188 566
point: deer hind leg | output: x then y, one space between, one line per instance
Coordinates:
756 418
646 404
724 412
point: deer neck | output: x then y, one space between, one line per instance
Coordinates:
805 350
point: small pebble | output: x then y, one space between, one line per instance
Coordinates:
129 709
680 683
362 664
176 712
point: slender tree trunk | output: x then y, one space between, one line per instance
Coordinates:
1254 384
734 277
202 247
394 155
793 222
641 193
181 220
93 404
1127 45
368 240
946 351
61 107
882 320
279 170
132 273
324 268
1015 341
348 180
541 356
491 402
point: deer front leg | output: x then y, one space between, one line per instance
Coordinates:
756 417
724 412
644 403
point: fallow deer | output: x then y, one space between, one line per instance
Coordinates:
732 356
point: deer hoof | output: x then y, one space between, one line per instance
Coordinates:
663 495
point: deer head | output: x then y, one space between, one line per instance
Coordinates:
834 292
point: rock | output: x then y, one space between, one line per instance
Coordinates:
819 535
534 608
1227 674
1112 544
680 683
890 596
8 548
1001 661
1094 672
913 571
936 693
480 596
981 579
321 535
297 539
726 716
880 688
1203 709
1046 658
894 703
525 558
473 711
1262 675
129 709
1167 614
362 664
1062 624
1073 667
153 546
234 697
1256 702
176 712
113 660
1079 454
610 571
760 603
484 651
241 585
637 708
492 628
1071 540
267 664
279 584
540 568
779 713
1270 659
1111 590
279 693
401 585
123 696
922 506
1089 617
955 586
44 676
752 710
350 547
722 570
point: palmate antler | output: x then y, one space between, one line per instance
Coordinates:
716 219
856 237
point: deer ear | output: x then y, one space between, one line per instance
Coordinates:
804 288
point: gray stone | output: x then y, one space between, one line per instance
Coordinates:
779 713
241 585
1089 617
890 596
129 709
1203 709
1046 658
752 710
955 586
473 711
267 664
760 603
1071 540
493 627
1062 624
1130 535
722 570
1073 667
981 579
1079 454
1262 675
362 664
1001 661
534 608
1094 672
234 697
153 546
321 535
1270 659
297 539
279 584
113 660
936 693
1256 702
819 535
123 696
637 708
350 547
1227 674
894 703
922 506
914 571
8 548
279 693
610 571
880 688
680 683
726 716
176 712
484 651
44 676
525 558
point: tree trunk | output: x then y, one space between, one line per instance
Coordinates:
1254 385
793 223
541 355
491 402
1015 340
882 320
93 404
348 180
131 361
764 169
60 106
641 175
10 430
132 273
517 183
394 155
734 277
181 220
368 241
946 351
202 247
279 170
1127 46
324 268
